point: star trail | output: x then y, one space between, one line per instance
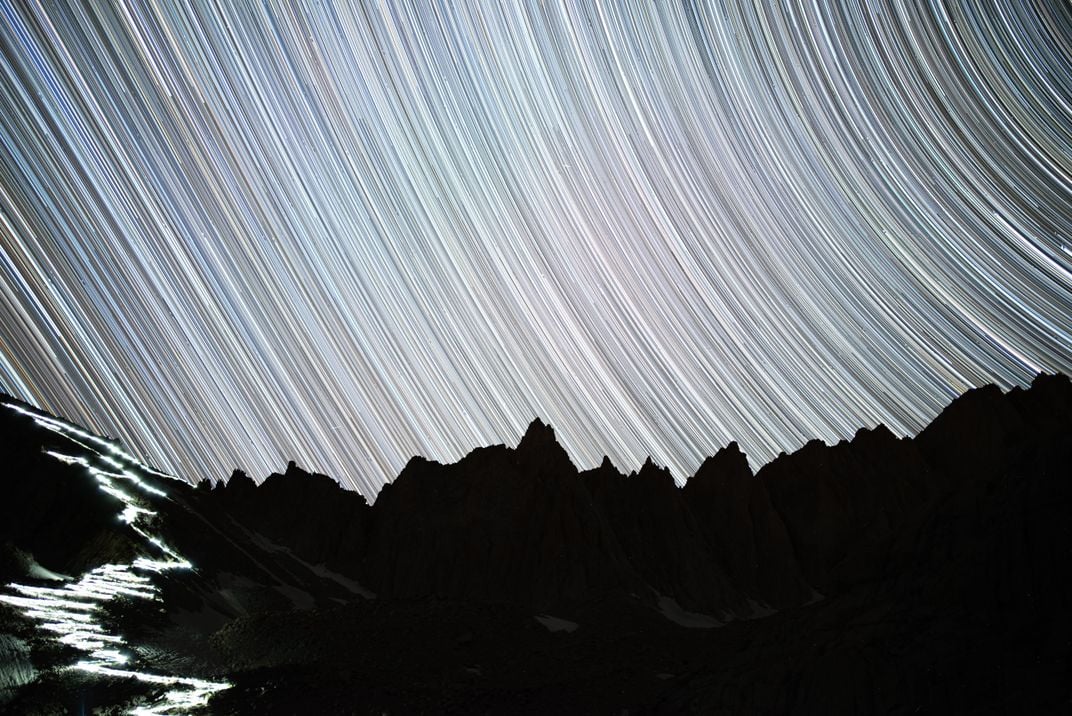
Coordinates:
235 234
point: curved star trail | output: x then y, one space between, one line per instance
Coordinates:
350 234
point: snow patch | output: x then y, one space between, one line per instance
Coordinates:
691 620
322 571
299 598
554 624
758 610
36 571
233 588
319 570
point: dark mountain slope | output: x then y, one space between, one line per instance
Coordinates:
927 574
518 525
746 535
308 512
661 537
499 525
842 504
965 609
41 492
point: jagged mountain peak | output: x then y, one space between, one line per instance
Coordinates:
857 533
539 448
537 435
879 433
652 471
295 477
239 481
729 463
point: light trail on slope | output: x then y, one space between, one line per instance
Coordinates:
71 611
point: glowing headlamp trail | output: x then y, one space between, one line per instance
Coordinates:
71 611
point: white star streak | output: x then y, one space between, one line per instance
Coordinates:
239 233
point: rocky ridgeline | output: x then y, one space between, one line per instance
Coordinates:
893 575
523 525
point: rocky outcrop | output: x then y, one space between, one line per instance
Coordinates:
661 538
522 525
501 524
842 504
942 563
41 492
309 513
964 607
745 533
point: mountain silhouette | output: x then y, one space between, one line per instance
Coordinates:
877 575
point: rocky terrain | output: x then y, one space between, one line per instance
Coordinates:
878 575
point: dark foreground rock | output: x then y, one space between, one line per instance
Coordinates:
879 575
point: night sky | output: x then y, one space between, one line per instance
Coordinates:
235 236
